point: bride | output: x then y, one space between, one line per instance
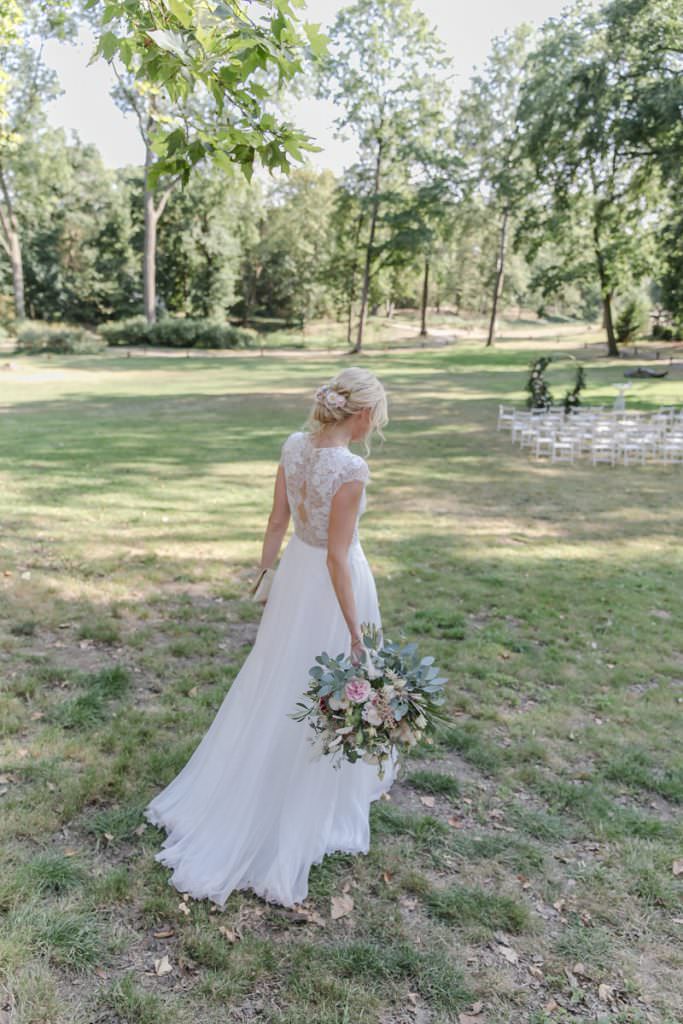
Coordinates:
254 808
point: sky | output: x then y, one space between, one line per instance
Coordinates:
86 107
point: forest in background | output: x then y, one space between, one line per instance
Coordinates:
552 183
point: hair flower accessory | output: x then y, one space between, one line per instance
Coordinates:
329 397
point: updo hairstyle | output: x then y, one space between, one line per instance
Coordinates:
349 392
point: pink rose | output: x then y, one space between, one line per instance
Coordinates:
358 690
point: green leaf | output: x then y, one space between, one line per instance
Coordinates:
181 12
125 51
291 147
317 40
109 44
168 41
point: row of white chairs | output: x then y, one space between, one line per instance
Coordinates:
604 436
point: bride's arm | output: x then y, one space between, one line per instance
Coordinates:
343 517
278 521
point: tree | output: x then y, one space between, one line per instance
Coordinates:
200 248
385 70
294 244
76 229
25 86
220 52
152 109
489 144
573 115
649 34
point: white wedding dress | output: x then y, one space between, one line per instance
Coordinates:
254 807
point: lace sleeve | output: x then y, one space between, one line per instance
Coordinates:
354 468
284 450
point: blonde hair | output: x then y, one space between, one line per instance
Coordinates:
350 391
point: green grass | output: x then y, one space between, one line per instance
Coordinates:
461 906
434 782
135 491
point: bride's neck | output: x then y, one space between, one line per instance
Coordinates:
336 436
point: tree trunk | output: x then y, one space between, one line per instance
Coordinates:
349 321
425 299
606 291
149 283
368 251
11 243
612 346
500 277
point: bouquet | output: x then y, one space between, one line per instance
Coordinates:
362 711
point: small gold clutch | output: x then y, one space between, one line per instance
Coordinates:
261 588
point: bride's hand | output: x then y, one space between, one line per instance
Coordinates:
357 652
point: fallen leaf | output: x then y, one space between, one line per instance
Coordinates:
192 692
581 970
70 851
184 909
412 998
163 966
387 876
509 954
677 867
229 934
4 779
37 715
341 906
312 916
456 823
477 1007
140 829
605 993
559 905
164 933
428 801
109 837
536 972
496 813
51 786
22 752
551 1006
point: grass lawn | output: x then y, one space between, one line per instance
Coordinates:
522 871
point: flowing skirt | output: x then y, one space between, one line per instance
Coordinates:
254 807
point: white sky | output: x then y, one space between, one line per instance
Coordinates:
86 107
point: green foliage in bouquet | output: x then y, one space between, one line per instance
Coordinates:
362 711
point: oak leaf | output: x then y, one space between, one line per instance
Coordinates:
341 906
163 966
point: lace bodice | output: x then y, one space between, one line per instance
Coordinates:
313 476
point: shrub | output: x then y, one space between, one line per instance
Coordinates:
36 336
131 331
631 321
176 332
667 332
